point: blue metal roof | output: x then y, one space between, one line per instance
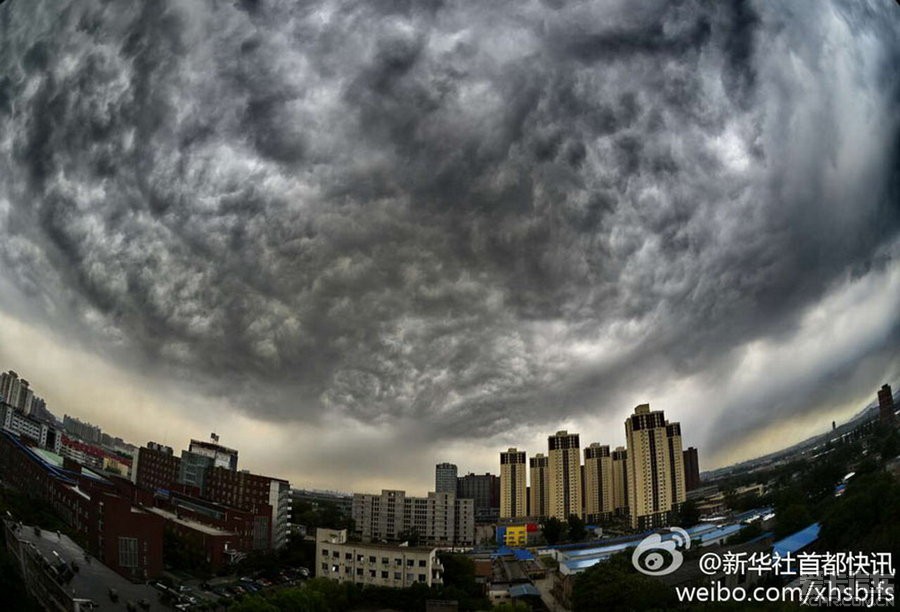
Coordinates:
725 530
797 541
523 590
519 553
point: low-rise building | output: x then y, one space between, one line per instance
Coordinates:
517 535
17 422
375 564
63 577
126 538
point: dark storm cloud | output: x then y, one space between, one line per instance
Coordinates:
407 210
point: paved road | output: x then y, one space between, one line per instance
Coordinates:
545 586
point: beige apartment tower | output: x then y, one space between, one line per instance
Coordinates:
565 475
620 480
540 486
650 494
598 482
513 493
676 460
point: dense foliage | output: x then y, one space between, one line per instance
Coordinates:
321 595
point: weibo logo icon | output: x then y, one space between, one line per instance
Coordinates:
657 557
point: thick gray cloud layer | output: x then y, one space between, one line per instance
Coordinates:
470 215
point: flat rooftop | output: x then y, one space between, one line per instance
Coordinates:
93 579
51 458
195 525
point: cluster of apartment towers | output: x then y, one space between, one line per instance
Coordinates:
645 481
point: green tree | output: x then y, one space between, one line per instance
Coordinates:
512 606
459 583
616 585
300 600
577 531
411 536
866 518
889 446
252 604
792 519
552 529
687 515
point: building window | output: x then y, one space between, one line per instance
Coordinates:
398 576
421 562
128 552
384 575
421 577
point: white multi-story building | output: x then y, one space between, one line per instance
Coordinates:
20 424
81 430
375 564
280 500
440 519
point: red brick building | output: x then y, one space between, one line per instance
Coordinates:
155 467
127 539
253 493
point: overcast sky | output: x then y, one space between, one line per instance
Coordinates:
358 238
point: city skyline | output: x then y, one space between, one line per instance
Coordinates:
357 239
882 396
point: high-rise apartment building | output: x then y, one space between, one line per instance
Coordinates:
676 461
440 519
691 469
445 475
7 381
82 430
513 494
565 475
16 392
484 490
598 482
886 404
650 480
620 480
539 491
